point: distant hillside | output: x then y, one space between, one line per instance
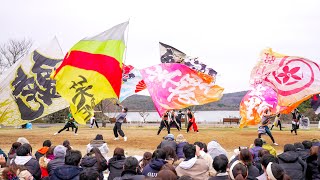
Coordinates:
229 101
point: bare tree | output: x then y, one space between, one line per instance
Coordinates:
12 51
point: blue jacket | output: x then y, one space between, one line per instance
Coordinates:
152 169
255 151
66 172
180 146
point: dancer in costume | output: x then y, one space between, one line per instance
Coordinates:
192 121
277 122
173 119
179 117
164 123
70 123
119 120
264 128
93 121
295 120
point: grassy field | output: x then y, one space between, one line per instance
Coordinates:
141 139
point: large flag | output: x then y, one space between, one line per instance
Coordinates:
131 82
169 54
176 86
295 79
26 91
92 71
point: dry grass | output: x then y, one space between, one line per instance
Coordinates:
141 139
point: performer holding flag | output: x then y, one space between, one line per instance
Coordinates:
173 119
164 123
119 120
192 121
70 123
264 128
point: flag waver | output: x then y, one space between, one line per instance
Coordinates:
92 71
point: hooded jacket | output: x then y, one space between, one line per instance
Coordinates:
215 149
91 162
152 169
255 152
130 175
197 169
180 146
41 152
115 167
31 164
312 168
292 164
168 142
66 172
101 145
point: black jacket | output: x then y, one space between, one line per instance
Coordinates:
54 163
91 162
115 167
168 142
312 168
129 174
66 172
294 166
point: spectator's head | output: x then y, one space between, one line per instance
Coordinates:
98 137
49 153
200 146
46 143
289 147
169 137
263 152
14 147
189 151
238 170
24 150
258 142
89 174
131 163
146 159
314 150
180 138
307 144
170 153
245 156
73 158
118 153
170 167
66 143
23 140
167 174
298 146
59 151
185 178
220 163
266 159
159 154
275 171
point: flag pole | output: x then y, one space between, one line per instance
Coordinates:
126 42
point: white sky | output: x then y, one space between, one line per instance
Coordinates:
227 35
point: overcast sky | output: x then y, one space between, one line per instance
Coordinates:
227 35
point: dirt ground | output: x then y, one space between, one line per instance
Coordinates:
142 139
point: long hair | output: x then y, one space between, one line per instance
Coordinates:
118 153
145 160
99 157
170 153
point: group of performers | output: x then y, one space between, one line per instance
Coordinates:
170 118
266 118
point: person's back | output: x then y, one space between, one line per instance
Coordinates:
115 164
312 164
71 169
152 169
191 166
290 161
59 153
220 164
94 160
43 150
130 170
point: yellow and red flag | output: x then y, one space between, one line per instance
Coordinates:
92 71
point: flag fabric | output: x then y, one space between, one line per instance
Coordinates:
169 54
295 79
258 99
92 71
176 86
131 82
26 91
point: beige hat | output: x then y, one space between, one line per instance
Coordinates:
180 138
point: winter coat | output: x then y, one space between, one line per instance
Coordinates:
270 148
91 162
30 163
220 176
101 145
66 172
24 175
312 168
255 151
180 146
152 169
4 154
129 174
215 149
115 167
197 169
168 142
294 166
209 161
41 152
54 163
303 154
253 172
